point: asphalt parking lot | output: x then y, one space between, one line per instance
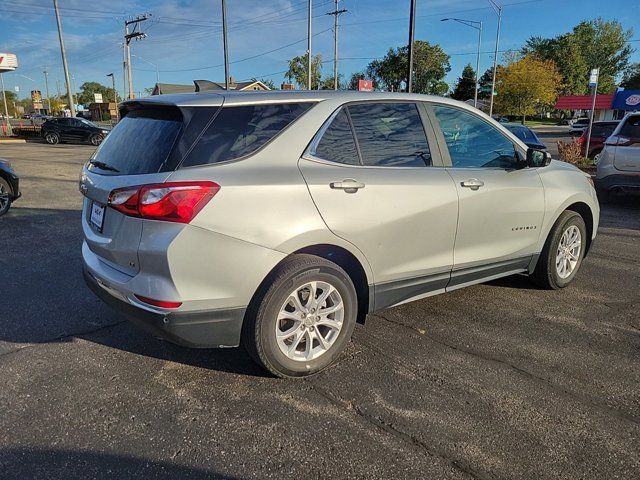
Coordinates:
499 380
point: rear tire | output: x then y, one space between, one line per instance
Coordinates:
52 138
563 252
5 196
287 332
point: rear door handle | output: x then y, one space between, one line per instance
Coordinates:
349 185
472 183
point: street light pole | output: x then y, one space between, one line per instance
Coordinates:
225 45
498 9
72 106
477 26
309 8
46 84
115 94
412 29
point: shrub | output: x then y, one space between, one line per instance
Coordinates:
570 152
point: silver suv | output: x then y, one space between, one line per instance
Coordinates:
619 161
278 220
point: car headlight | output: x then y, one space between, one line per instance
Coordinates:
105 131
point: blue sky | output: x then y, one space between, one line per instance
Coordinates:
184 36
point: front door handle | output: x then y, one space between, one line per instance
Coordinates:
349 185
472 183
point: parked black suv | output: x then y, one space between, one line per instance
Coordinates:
77 130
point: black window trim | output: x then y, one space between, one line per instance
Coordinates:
442 144
437 160
180 165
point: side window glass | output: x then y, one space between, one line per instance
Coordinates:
240 131
631 127
472 141
337 144
390 135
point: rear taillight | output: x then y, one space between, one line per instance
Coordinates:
172 202
618 140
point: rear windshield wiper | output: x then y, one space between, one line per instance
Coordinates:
103 166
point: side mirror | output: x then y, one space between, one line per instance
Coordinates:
538 158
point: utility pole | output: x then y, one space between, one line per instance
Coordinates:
412 29
46 83
72 106
128 36
225 45
309 45
498 9
336 13
58 87
9 132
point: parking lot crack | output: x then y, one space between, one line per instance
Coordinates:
522 371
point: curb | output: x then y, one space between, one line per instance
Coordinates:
12 140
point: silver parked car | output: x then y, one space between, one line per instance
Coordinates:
277 220
619 161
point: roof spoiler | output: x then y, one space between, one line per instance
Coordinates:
204 85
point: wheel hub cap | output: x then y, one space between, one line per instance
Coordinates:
309 321
568 252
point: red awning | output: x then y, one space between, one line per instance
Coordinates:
583 102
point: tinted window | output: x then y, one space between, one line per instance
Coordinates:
631 127
472 141
139 143
602 130
239 131
390 135
337 144
522 133
63 121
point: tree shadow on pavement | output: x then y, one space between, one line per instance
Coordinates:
43 297
23 463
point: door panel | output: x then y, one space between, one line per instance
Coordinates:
403 219
499 220
501 205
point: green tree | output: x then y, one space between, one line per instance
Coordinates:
327 83
12 98
87 89
465 85
526 86
591 44
631 79
298 71
430 66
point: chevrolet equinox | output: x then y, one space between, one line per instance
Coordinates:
277 220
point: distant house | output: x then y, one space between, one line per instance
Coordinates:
206 85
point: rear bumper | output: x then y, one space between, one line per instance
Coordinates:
202 329
626 181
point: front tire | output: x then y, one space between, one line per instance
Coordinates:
563 252
5 196
303 318
96 140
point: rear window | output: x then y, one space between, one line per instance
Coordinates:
602 130
631 127
240 131
140 143
522 133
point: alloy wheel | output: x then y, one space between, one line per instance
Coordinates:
4 198
568 252
310 320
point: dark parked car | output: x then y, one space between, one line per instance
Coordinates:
78 130
599 133
526 135
9 190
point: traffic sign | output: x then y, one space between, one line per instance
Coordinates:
593 78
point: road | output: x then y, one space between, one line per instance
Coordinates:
496 381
